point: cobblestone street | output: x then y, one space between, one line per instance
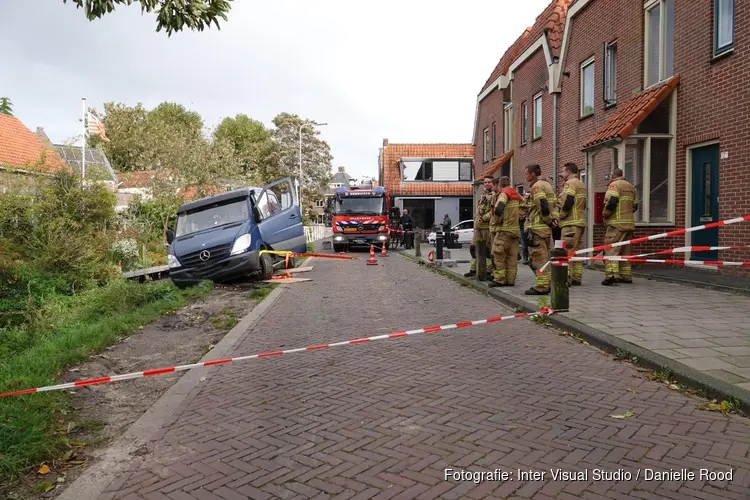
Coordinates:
386 419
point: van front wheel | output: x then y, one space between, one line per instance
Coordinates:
266 267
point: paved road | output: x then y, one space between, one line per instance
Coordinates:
385 419
703 329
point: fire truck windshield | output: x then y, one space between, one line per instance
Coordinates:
359 205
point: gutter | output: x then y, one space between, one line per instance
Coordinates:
555 134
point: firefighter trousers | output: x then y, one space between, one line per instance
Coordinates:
481 237
573 238
539 254
613 268
505 254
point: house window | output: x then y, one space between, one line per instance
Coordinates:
610 74
587 88
524 122
436 170
723 26
648 167
508 129
537 116
494 140
486 145
659 43
319 203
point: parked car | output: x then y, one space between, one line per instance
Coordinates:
464 229
220 237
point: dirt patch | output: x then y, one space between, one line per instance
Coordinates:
104 412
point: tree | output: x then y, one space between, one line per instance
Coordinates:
316 157
6 107
128 148
252 144
171 15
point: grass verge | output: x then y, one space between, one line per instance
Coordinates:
33 428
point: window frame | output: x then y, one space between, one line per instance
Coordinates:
486 145
494 140
588 63
538 97
648 7
508 128
429 159
524 122
728 48
609 74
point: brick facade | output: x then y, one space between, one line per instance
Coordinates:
711 106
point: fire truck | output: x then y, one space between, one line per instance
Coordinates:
359 217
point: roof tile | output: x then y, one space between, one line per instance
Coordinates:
20 148
551 21
631 113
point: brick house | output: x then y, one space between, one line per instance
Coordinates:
24 157
653 87
429 180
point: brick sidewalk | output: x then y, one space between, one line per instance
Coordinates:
703 329
384 419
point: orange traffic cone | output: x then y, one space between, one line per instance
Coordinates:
382 249
371 261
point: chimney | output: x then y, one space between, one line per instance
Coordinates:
40 133
341 168
385 142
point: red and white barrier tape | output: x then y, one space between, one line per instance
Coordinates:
545 311
677 232
694 248
655 261
635 241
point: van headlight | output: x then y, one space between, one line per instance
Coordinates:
241 244
172 261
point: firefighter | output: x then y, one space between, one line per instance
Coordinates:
504 221
541 218
619 206
482 226
572 208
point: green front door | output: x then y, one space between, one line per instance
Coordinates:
705 199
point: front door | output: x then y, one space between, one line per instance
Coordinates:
705 199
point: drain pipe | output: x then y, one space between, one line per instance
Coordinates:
554 141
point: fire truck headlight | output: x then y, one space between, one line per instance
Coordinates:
338 238
382 238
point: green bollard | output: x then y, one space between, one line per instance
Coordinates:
559 297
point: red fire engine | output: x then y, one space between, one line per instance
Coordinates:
359 217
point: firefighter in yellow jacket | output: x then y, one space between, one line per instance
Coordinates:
572 208
541 219
504 220
482 216
619 207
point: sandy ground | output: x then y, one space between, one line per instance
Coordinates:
104 412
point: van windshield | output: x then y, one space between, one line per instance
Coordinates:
350 205
211 216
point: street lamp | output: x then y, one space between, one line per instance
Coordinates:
299 184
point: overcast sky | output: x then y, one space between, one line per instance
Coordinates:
408 70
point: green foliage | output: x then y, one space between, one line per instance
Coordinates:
6 107
171 15
250 141
66 330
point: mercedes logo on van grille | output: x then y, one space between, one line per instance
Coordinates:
204 255
360 227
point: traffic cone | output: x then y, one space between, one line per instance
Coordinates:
382 249
371 261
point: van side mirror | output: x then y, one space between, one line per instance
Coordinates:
170 236
256 214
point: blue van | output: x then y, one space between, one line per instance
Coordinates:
219 237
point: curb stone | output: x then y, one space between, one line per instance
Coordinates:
120 457
681 373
